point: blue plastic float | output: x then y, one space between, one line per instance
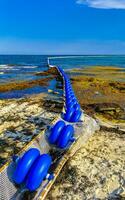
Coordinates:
77 106
55 131
66 136
32 169
24 164
38 172
76 116
68 114
69 106
61 137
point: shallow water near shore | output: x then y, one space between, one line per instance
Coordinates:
17 68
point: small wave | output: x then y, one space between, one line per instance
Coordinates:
3 66
6 66
9 68
28 67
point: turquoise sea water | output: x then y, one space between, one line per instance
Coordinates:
21 67
24 67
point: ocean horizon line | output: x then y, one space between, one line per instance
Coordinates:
62 55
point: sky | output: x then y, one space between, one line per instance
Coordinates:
62 27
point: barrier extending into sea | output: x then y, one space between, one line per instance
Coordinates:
36 168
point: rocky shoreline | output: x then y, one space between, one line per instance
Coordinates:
22 85
23 119
96 171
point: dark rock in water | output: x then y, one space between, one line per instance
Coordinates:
24 84
52 71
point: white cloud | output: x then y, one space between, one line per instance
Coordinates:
104 4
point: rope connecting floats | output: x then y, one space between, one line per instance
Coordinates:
32 168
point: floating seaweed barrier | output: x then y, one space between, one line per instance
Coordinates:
32 173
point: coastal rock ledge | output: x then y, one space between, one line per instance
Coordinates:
96 170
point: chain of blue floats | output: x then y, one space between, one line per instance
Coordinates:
32 168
